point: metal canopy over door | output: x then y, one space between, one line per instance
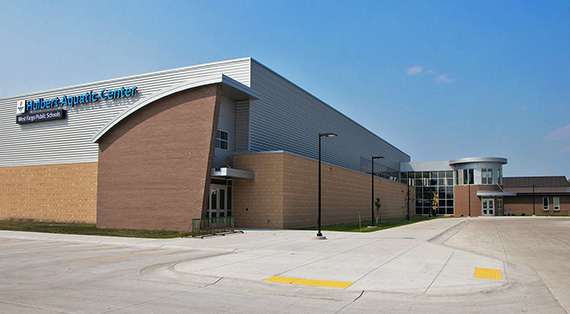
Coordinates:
488 206
220 201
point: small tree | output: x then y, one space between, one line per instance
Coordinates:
435 203
378 204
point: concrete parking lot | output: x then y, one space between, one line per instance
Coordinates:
438 266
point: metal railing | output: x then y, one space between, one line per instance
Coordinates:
211 226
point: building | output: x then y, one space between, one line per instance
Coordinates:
464 187
537 195
156 150
476 187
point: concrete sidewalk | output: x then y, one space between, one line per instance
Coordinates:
389 267
395 260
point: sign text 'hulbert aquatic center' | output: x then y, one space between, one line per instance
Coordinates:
105 94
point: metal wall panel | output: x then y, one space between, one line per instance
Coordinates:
242 126
69 141
288 118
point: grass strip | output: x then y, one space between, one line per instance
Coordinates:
85 229
363 226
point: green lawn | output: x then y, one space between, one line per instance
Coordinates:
91 229
86 229
363 227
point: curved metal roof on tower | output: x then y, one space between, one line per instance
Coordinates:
469 160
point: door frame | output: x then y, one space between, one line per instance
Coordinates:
488 206
220 202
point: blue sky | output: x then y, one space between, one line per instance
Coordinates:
438 79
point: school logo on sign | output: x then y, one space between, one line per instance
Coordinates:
21 107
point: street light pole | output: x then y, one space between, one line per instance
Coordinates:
408 214
372 174
533 211
321 135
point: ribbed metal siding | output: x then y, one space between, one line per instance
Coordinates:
69 141
242 126
288 118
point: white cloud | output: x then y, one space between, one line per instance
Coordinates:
415 70
559 134
443 78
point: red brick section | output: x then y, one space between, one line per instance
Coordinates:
522 204
154 166
461 196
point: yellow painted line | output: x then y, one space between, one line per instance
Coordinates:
127 255
62 251
15 240
31 245
310 282
487 273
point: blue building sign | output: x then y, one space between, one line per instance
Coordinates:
26 107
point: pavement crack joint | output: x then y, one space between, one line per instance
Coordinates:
358 297
442 268
351 302
388 261
213 283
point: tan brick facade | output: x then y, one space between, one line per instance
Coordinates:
154 166
284 193
64 193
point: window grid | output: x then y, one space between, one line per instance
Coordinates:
487 176
222 140
427 183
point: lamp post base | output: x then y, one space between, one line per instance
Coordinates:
372 226
319 237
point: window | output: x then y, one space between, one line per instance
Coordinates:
468 177
487 176
556 202
500 176
222 140
545 203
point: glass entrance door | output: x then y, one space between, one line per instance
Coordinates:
488 206
219 203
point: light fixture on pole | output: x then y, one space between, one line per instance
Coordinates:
321 135
372 225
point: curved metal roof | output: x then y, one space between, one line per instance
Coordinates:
470 160
231 88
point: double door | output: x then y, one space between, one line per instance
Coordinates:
220 201
488 206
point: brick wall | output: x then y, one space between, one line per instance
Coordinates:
523 204
259 203
461 201
346 194
64 193
154 166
